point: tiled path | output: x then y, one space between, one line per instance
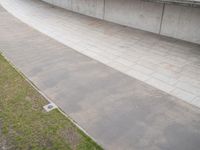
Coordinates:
118 111
167 64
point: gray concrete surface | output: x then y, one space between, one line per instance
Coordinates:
120 112
173 20
168 64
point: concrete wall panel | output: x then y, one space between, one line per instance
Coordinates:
94 8
134 13
182 23
67 4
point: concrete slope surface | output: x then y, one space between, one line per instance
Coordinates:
170 65
118 111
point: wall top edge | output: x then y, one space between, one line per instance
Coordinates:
186 3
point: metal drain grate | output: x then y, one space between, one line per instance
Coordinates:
50 107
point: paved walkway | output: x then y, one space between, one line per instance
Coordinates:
118 111
167 64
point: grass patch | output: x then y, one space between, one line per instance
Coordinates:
25 125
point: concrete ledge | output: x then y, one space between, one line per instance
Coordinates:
190 3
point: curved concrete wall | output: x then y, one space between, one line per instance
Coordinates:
171 20
134 13
67 4
182 23
93 8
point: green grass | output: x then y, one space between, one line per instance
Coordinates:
24 125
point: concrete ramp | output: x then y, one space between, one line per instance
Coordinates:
119 112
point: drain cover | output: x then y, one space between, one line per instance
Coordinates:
49 107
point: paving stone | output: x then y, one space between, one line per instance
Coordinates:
142 69
164 78
138 75
188 87
196 101
160 85
186 96
124 62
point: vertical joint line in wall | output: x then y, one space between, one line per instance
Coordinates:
104 8
72 5
162 18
